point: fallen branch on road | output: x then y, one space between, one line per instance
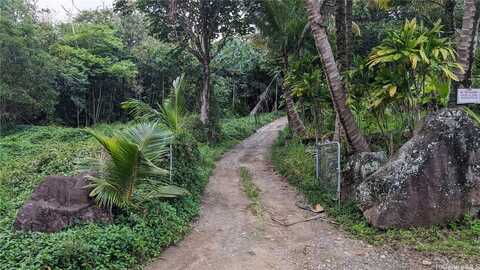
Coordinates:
319 216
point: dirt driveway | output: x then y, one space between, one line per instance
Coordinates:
228 236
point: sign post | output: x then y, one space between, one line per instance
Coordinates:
468 96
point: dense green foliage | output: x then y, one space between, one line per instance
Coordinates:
79 72
136 235
134 162
96 70
195 25
398 67
292 159
26 77
412 69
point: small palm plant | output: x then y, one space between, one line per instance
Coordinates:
172 113
134 160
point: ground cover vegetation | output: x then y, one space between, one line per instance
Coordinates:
123 90
398 62
457 239
103 92
137 233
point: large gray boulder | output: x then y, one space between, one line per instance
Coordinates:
58 202
433 179
358 167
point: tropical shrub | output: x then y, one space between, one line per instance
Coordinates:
134 160
136 235
413 67
291 159
185 152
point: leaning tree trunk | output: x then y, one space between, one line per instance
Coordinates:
337 89
293 118
466 46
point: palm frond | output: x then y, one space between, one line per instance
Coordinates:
172 113
140 110
173 110
151 141
472 115
169 191
106 193
134 157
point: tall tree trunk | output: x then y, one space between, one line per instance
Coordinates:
337 89
294 119
466 46
449 17
344 34
205 98
340 27
204 48
348 34
343 26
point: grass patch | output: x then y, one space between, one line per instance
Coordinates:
252 192
135 236
460 239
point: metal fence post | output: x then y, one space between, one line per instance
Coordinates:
171 163
318 170
317 161
339 188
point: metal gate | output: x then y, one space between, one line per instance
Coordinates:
327 167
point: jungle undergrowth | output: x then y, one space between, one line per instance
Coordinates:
459 239
29 154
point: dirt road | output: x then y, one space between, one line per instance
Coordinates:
228 236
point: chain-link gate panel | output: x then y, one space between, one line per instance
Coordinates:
327 165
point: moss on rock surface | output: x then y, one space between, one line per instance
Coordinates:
433 179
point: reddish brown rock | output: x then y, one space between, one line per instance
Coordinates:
59 201
433 179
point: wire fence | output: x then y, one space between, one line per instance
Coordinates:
327 167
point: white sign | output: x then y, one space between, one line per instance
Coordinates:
468 96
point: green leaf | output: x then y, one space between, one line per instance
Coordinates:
392 90
134 155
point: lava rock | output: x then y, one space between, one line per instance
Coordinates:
433 179
357 169
59 201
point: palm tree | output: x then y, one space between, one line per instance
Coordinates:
282 25
336 86
134 159
172 113
466 46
